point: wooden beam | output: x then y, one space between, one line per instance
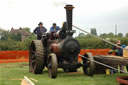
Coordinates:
111 60
27 81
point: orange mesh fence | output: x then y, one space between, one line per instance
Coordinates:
13 56
94 52
23 56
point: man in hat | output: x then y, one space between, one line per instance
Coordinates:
54 28
40 30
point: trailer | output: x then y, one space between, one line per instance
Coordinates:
110 62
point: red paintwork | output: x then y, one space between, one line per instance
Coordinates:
122 80
54 47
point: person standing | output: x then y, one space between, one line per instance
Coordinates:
54 28
40 30
118 52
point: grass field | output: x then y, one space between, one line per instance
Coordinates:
12 73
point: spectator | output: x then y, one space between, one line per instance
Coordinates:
118 52
40 30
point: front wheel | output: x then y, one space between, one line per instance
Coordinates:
88 64
52 65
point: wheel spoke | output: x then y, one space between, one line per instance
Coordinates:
33 57
88 63
33 52
33 61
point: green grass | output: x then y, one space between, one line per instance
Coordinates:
12 72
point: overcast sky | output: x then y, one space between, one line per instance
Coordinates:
87 14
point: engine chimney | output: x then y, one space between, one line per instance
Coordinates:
69 18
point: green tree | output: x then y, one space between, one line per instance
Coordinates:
27 29
120 35
126 34
4 34
81 34
11 41
28 40
110 35
104 35
89 36
18 37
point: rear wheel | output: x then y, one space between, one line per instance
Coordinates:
52 65
88 64
36 57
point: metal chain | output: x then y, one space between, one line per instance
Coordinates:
103 64
99 37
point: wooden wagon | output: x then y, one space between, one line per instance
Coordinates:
110 60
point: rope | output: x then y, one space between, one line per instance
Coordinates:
103 64
99 37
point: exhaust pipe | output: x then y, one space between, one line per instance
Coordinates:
69 9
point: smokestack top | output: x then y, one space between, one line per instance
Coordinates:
69 7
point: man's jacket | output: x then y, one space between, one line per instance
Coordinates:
39 30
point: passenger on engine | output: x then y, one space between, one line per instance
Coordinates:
40 30
54 28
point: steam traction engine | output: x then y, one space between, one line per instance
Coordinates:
58 50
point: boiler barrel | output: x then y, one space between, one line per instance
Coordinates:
66 48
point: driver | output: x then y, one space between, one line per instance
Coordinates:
40 30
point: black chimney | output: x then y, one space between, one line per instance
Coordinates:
69 18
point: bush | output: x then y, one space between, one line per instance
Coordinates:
16 45
94 43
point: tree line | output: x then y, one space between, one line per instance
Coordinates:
90 42
11 41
